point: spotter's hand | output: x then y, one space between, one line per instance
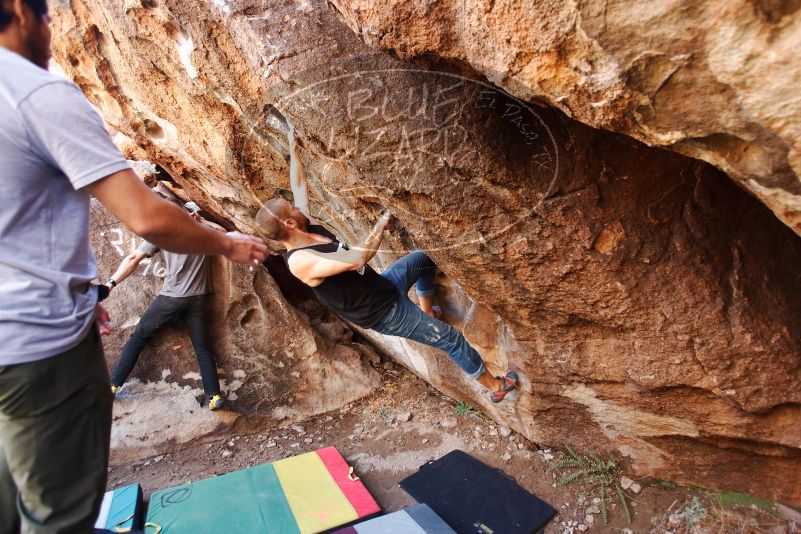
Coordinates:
245 249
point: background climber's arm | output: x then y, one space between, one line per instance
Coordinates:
127 266
313 267
297 177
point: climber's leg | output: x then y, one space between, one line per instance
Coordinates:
418 269
407 320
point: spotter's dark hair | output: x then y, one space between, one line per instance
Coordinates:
39 7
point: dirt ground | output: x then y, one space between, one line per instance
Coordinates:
389 435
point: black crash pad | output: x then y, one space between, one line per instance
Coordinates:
474 498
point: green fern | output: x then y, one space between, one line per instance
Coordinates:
594 471
566 462
571 477
604 513
622 500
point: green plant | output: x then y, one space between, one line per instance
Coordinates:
600 474
384 414
667 484
729 499
693 512
465 408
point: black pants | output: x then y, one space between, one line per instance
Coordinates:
192 312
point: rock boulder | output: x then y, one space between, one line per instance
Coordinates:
650 305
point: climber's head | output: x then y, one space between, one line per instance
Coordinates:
25 29
278 219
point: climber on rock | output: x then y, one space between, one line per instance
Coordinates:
183 296
341 278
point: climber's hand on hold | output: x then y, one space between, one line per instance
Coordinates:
387 221
245 249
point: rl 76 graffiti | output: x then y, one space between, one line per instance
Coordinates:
116 238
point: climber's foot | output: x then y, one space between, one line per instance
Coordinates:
507 384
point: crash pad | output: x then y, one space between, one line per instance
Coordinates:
309 493
474 497
121 508
417 519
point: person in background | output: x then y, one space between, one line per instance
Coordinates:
183 296
55 398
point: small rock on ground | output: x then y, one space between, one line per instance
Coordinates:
449 422
403 417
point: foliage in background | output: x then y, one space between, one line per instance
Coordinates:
728 499
465 408
385 415
602 476
693 512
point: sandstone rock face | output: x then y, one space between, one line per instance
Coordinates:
270 357
713 80
649 304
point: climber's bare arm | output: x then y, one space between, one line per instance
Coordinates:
297 177
312 267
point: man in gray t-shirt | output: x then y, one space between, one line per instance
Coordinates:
182 297
55 402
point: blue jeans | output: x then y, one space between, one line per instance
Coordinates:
406 320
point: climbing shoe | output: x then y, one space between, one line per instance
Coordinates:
215 402
510 383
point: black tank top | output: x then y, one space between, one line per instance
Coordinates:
362 297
